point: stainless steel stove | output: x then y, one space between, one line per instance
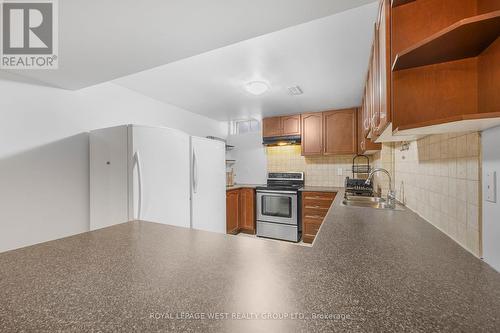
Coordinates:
278 206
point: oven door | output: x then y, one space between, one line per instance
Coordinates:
277 206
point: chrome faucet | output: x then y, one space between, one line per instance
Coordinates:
391 195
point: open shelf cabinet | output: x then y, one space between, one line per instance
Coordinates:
445 60
396 3
467 38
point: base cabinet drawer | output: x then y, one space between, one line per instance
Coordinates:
315 206
318 218
318 196
314 212
310 229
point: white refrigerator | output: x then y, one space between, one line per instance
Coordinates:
156 174
208 185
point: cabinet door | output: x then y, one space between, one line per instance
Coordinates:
367 121
272 127
365 145
232 211
247 210
291 125
383 41
340 132
375 115
361 144
312 134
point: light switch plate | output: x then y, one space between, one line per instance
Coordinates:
339 171
491 186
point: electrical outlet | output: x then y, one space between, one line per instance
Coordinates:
339 172
491 186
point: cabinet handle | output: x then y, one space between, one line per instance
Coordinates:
317 198
367 123
316 207
317 217
137 162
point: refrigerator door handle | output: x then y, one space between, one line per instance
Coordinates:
195 173
137 162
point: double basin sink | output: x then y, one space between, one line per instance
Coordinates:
369 202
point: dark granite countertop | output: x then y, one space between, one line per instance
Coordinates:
368 271
321 189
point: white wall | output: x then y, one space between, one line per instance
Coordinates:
44 176
491 211
250 156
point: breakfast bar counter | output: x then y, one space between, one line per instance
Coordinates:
373 270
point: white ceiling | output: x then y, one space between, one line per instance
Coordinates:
101 40
327 58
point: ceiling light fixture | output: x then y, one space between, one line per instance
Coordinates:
257 87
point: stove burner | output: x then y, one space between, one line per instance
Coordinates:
283 181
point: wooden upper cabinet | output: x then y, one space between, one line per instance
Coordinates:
365 146
361 136
272 127
281 126
375 86
367 124
339 128
291 125
444 60
312 133
384 67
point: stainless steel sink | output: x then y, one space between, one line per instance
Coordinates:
369 202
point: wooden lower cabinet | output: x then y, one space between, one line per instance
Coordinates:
315 206
247 211
232 211
240 211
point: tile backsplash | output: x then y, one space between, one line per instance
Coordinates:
319 171
383 159
438 177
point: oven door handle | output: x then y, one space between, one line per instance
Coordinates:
276 192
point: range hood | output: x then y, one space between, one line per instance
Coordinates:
282 140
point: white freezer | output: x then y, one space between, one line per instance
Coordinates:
139 172
108 177
208 185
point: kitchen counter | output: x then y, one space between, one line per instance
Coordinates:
321 189
368 271
237 186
